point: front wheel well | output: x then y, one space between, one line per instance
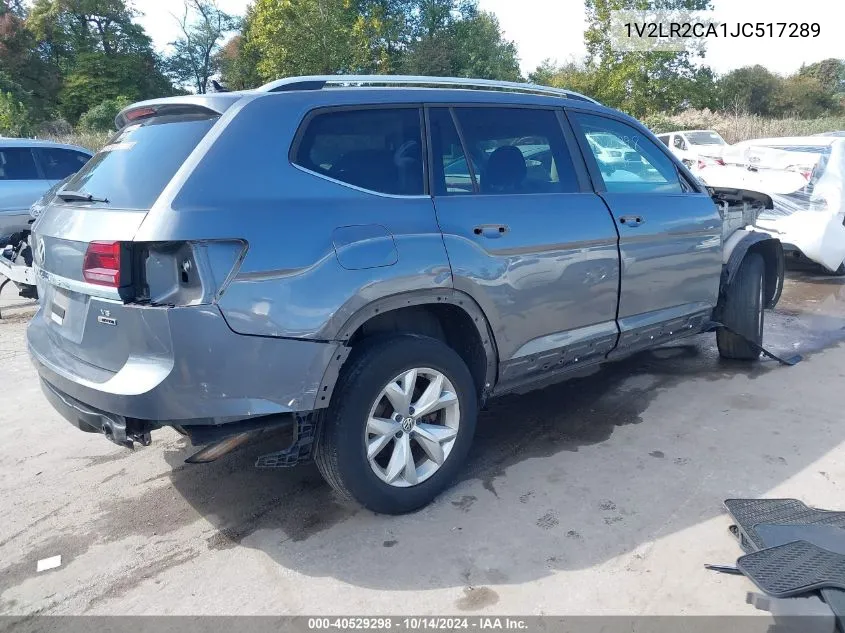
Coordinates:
443 321
773 258
771 250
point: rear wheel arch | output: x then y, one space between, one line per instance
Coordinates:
445 314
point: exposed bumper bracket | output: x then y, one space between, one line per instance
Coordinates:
300 450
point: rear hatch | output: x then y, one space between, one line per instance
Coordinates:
88 265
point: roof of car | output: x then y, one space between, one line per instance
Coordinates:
35 142
349 90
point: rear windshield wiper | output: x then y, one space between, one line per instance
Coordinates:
80 196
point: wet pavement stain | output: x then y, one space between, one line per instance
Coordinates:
464 503
141 573
657 454
69 546
389 543
477 598
548 521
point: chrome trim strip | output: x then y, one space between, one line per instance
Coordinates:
82 287
356 188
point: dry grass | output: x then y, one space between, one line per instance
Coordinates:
735 128
89 140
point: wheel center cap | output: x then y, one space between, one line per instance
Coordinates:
408 424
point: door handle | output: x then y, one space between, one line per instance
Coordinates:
491 231
631 220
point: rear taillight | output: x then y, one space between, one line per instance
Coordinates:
102 264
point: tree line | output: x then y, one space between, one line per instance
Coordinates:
77 62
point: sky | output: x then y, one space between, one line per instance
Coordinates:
554 29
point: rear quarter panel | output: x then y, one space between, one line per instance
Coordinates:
291 282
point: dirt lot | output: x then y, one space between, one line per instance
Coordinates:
600 495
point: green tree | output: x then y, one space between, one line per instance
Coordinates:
639 82
101 117
15 118
195 57
804 97
571 76
452 37
301 37
750 90
99 50
36 81
830 73
237 64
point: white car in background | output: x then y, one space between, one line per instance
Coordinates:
805 177
692 146
28 168
610 149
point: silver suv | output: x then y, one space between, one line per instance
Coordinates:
367 260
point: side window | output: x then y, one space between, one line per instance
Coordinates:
17 163
642 166
515 150
58 164
451 169
680 143
378 149
664 138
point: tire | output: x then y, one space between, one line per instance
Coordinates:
742 311
341 453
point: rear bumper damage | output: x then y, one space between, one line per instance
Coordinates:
201 374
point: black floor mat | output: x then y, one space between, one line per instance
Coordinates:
794 569
750 512
761 523
827 537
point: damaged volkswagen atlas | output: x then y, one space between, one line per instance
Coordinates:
367 260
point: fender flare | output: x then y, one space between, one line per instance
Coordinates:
739 245
434 296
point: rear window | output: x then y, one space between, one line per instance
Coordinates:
136 165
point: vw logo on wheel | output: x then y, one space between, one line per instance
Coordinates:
42 251
408 425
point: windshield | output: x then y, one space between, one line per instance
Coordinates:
704 138
138 162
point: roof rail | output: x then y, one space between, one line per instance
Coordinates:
318 82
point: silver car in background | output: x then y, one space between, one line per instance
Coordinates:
28 168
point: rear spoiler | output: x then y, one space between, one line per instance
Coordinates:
730 196
212 104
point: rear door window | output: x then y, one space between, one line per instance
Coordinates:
59 163
642 167
377 149
512 150
136 165
18 163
